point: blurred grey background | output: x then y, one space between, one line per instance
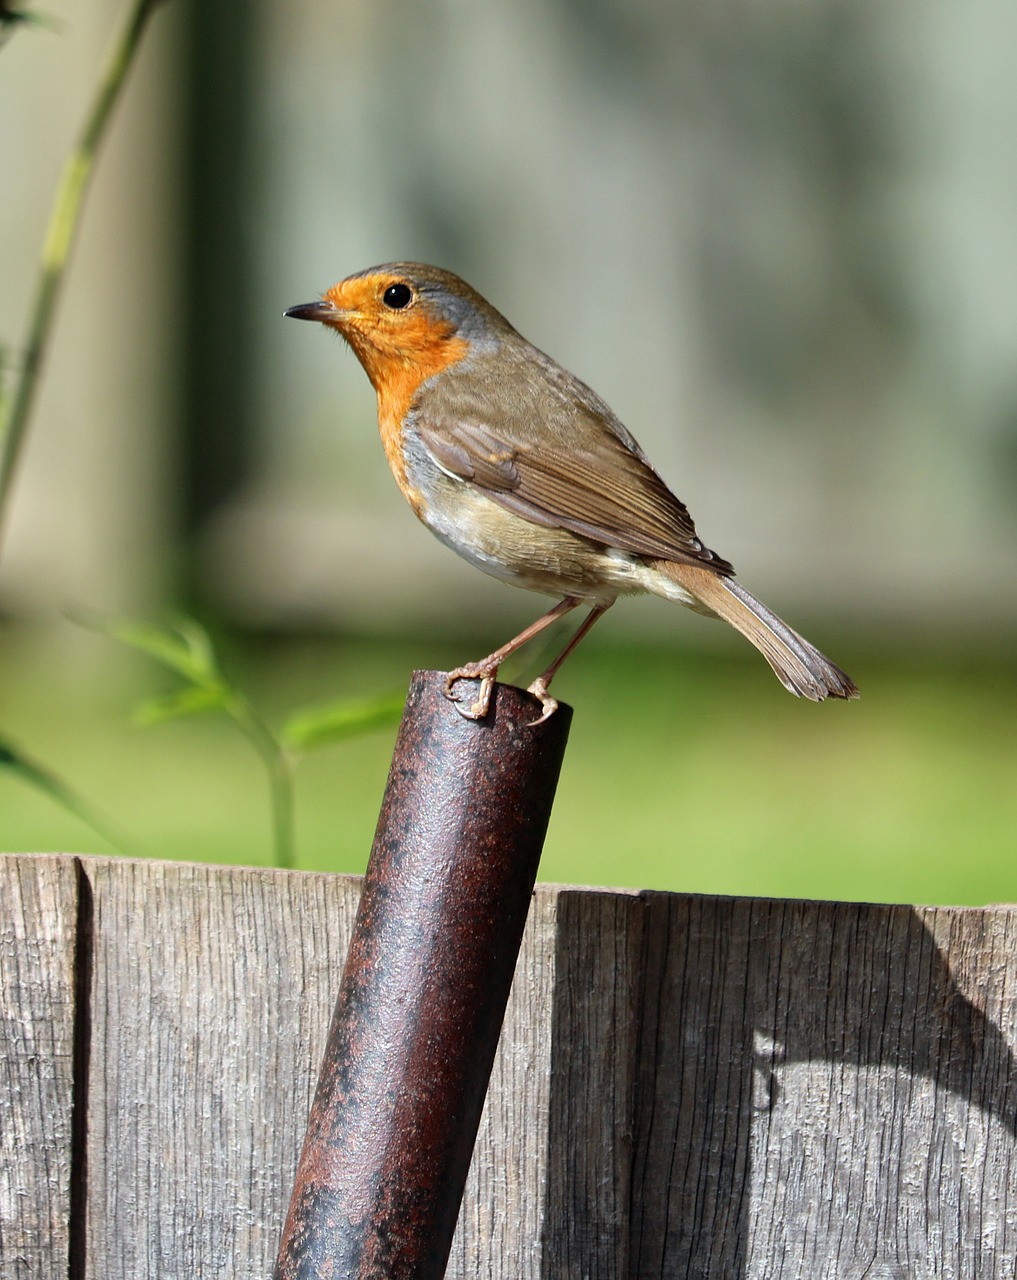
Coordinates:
780 239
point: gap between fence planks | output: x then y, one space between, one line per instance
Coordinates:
685 1087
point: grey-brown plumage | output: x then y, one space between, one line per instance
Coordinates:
522 469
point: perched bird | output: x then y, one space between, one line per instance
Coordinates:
513 462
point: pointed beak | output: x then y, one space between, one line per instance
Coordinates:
322 311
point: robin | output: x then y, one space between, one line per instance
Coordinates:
513 462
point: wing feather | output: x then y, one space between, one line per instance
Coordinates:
602 490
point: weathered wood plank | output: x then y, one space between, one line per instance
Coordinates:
38 915
686 1087
504 1205
549 1185
594 1021
827 1091
212 995
213 991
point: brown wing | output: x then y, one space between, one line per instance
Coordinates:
596 485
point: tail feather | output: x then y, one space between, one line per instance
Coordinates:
798 665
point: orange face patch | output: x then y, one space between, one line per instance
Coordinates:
390 343
399 349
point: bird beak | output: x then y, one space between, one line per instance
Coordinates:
324 312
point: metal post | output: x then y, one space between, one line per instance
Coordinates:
423 994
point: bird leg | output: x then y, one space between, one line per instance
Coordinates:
486 670
539 686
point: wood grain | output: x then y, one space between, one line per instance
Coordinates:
38 930
826 1091
505 1203
685 1086
213 991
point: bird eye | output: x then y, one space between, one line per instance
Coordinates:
397 296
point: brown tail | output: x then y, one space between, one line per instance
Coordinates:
799 666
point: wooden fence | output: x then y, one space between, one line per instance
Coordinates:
685 1087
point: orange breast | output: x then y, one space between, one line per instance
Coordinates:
399 350
397 379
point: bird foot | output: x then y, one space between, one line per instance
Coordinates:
472 671
539 690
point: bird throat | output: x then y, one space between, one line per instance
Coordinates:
397 376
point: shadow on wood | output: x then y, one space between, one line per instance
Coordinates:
684 1086
803 1086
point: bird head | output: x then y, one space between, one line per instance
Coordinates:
406 314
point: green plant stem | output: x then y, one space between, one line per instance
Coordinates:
281 780
63 794
63 224
280 764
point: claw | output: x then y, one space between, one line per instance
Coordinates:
539 691
479 709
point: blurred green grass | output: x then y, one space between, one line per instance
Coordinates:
684 772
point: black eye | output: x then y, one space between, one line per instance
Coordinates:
397 296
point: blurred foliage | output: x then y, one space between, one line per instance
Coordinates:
816 300
65 216
12 17
683 772
20 765
186 649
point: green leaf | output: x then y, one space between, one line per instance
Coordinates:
184 647
316 726
191 701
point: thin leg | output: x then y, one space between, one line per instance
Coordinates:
487 668
539 686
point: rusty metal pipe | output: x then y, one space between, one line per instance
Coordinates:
423 993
